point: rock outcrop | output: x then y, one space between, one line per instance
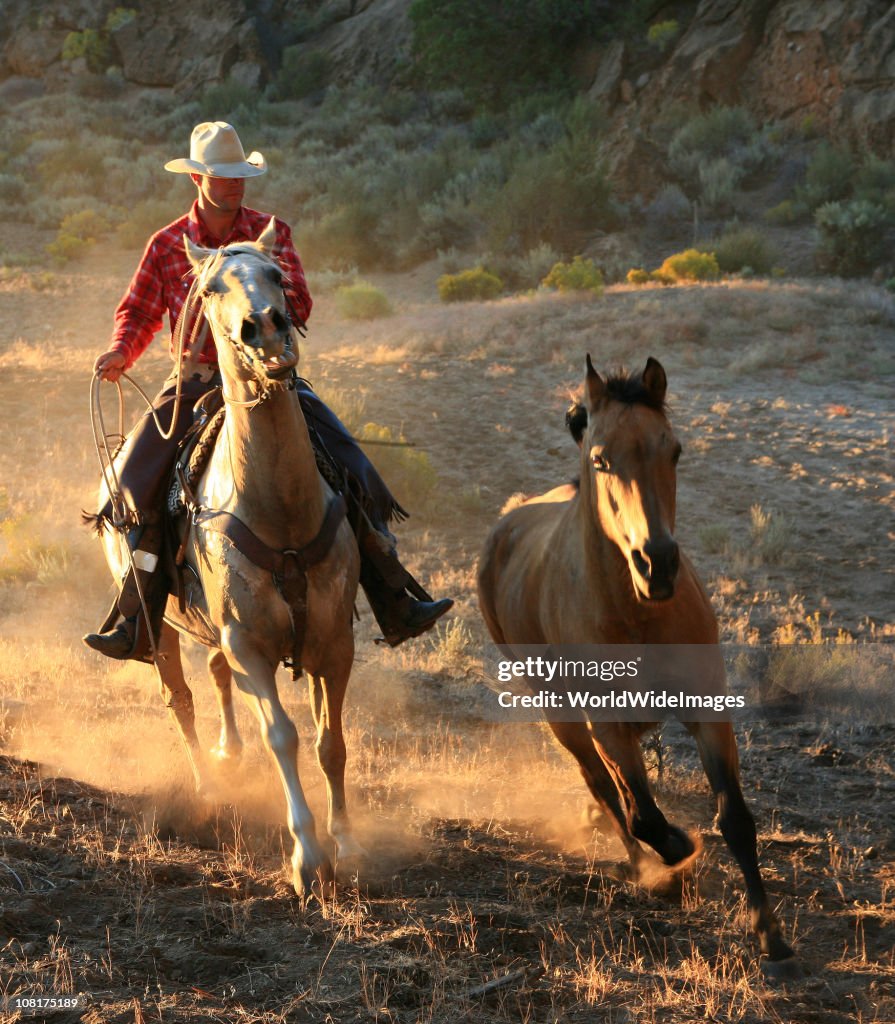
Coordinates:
830 62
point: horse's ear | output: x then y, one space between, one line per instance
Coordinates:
196 254
594 386
654 380
268 237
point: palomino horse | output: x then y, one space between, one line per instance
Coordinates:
263 473
602 566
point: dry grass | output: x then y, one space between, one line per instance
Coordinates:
114 881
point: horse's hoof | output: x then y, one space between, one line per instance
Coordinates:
309 879
780 971
678 847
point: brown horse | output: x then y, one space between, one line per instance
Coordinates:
603 567
263 473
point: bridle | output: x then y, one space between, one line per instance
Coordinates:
210 268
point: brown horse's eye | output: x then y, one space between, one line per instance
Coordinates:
599 462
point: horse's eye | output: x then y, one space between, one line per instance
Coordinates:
599 462
212 287
276 278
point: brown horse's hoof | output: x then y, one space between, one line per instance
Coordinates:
781 971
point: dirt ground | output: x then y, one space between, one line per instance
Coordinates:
485 893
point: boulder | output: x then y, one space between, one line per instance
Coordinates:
170 43
607 83
30 51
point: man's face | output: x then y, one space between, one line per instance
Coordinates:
224 194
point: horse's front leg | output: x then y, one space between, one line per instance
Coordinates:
228 750
327 693
576 738
718 751
619 747
254 674
179 700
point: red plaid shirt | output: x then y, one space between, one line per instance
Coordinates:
164 275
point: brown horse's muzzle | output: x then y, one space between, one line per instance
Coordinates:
655 568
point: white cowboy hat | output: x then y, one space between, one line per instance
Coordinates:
215 151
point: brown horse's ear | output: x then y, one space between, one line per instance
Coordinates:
196 254
654 380
268 237
594 386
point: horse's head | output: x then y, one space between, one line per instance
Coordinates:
629 455
241 287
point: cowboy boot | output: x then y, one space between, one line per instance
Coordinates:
130 638
400 615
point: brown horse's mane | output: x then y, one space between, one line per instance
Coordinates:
630 389
621 387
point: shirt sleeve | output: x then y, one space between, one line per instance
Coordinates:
297 292
140 313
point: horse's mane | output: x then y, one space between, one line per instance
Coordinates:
630 389
622 387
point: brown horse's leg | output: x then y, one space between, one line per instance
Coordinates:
577 739
179 699
255 676
327 695
619 746
718 750
228 749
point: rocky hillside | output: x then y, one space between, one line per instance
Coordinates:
830 62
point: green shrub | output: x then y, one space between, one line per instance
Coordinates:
786 213
362 301
12 189
578 276
224 99
875 182
143 220
852 236
302 72
690 265
66 247
741 248
718 182
637 275
95 45
828 176
556 197
86 224
469 285
720 132
77 233
346 236
496 50
662 33
118 17
668 209
520 273
91 44
410 473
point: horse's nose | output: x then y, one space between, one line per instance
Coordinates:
262 326
658 562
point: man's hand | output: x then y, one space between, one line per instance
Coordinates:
110 365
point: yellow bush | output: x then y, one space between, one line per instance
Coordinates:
690 265
469 285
